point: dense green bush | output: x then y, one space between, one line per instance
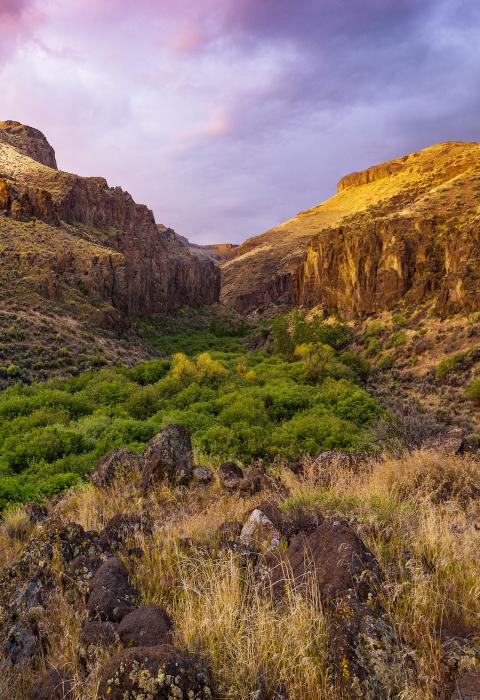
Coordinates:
245 406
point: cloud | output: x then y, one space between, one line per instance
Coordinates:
227 116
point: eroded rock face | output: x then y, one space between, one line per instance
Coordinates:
158 672
28 141
95 239
402 231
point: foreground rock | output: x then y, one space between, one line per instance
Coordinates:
111 594
467 687
118 462
56 685
168 457
334 557
157 673
147 626
366 657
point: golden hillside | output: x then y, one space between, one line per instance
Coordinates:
426 192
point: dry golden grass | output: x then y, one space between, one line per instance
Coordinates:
424 534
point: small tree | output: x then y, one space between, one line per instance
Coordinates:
315 357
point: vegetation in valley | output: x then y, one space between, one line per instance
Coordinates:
249 406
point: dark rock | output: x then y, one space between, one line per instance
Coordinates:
159 673
368 660
98 633
111 594
253 482
56 685
202 475
145 627
21 644
75 541
230 474
36 513
80 572
335 556
122 526
467 687
168 457
118 462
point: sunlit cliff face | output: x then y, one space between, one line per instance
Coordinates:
227 116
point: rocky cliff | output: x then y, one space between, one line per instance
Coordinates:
401 232
67 235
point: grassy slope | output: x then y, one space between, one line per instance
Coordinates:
417 513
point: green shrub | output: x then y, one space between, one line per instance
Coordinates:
473 390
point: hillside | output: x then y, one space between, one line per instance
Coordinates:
401 233
82 257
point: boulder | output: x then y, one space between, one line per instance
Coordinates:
122 526
145 627
98 633
263 528
80 572
230 474
168 457
119 461
55 685
111 594
36 513
335 556
21 644
156 673
368 660
202 475
467 687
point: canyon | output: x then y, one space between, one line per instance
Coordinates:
66 236
400 233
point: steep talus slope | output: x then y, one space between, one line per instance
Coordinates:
403 231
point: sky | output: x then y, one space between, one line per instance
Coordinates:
227 117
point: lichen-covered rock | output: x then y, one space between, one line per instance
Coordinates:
157 673
168 457
56 685
147 626
79 573
122 526
467 687
36 513
202 475
119 461
369 661
111 594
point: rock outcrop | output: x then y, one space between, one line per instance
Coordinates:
403 232
28 141
67 236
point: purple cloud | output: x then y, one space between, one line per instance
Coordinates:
228 116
